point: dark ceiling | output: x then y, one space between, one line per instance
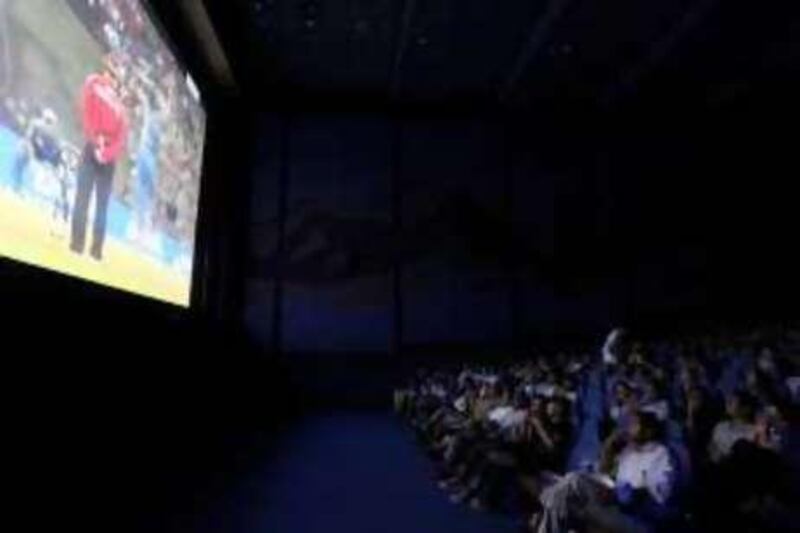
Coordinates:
506 53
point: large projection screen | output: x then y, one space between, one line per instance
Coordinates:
101 146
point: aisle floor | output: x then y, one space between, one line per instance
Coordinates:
351 473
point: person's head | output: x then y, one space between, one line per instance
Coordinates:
696 397
651 389
623 391
751 380
49 117
469 381
740 406
114 69
766 360
771 424
691 374
637 352
499 390
521 400
760 385
645 427
556 410
537 405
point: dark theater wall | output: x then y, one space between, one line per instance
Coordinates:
346 235
338 233
565 282
260 290
415 232
319 275
454 224
403 234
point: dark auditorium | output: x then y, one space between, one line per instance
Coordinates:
400 266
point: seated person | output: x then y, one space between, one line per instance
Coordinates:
489 397
405 397
493 446
739 424
700 417
449 417
624 406
637 492
548 387
534 444
653 399
546 439
642 363
567 388
464 449
544 445
752 488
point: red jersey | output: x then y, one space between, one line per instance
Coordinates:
105 119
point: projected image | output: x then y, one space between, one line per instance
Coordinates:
101 140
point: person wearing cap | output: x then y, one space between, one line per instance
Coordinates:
105 126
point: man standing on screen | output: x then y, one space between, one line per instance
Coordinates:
105 127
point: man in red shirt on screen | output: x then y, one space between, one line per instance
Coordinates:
105 128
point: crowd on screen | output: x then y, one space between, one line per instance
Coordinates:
684 434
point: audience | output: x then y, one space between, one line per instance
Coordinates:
633 439
633 487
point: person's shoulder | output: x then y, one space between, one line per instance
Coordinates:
748 429
93 79
722 425
660 448
654 452
629 449
651 449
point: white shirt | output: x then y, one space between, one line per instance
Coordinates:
659 408
618 412
516 418
726 434
498 414
491 379
545 389
507 417
574 367
648 467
